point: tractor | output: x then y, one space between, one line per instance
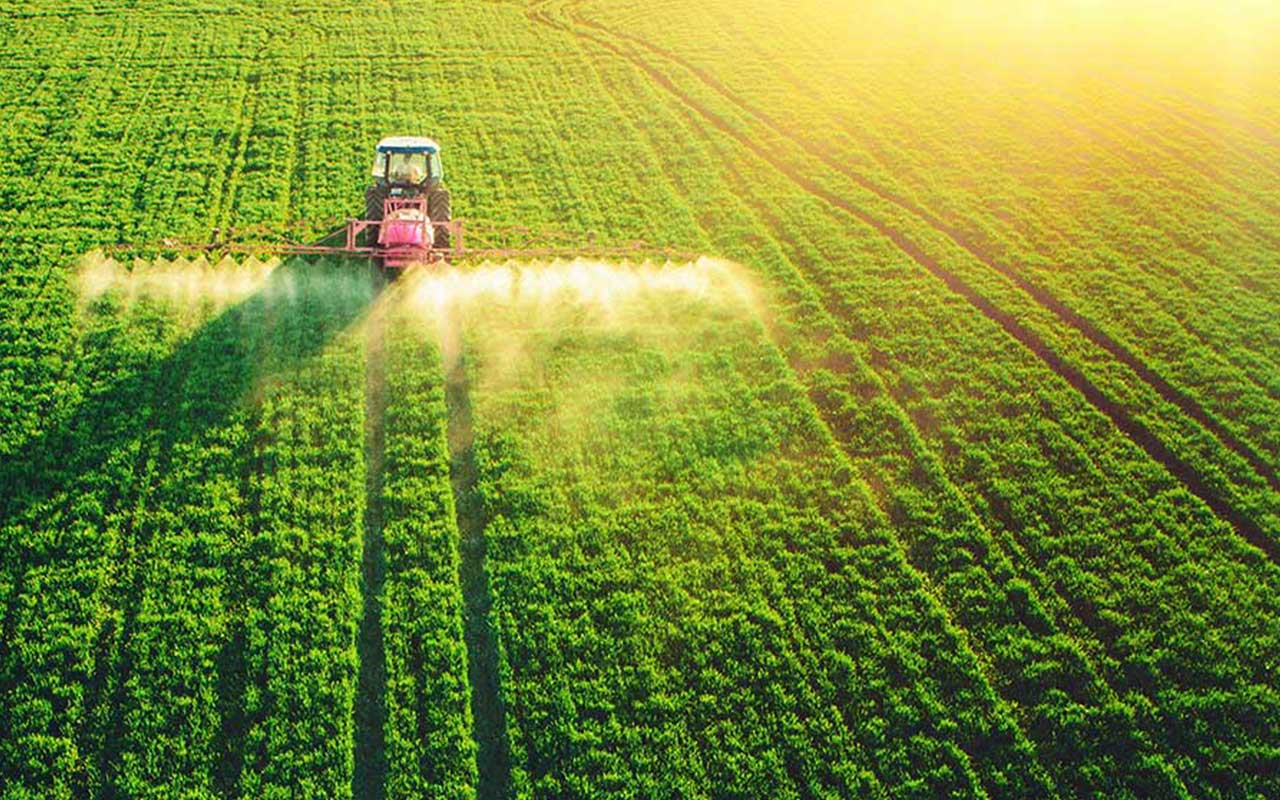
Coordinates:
407 214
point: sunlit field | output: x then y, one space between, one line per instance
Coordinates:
828 400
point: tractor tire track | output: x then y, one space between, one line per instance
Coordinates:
106 694
1248 282
1166 390
829 419
368 780
233 664
772 335
106 690
1110 133
488 711
155 460
1179 104
298 187
1155 448
223 205
1150 169
1071 617
123 66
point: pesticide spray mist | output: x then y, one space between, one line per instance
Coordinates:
505 317
508 302
445 299
179 282
553 348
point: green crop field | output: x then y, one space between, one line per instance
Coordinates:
895 412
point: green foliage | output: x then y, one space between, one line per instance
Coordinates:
430 752
984 504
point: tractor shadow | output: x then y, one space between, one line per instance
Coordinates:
75 501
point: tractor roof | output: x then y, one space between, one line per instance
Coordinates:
408 144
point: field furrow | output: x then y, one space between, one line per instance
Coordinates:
998 608
926 446
1187 404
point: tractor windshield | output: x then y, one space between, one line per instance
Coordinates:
407 167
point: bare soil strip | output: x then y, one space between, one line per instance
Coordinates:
487 709
369 778
1246 527
1167 391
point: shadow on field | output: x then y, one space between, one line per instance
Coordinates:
79 504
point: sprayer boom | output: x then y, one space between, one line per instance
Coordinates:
407 220
358 238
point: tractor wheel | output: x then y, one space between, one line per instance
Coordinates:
373 198
439 211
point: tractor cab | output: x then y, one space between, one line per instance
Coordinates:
407 163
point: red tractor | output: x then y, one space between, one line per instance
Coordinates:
407 215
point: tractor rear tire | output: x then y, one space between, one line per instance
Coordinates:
373 198
438 210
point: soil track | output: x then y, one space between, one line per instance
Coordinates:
487 709
1155 448
1167 391
369 777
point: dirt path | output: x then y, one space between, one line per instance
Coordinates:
369 778
488 712
1221 503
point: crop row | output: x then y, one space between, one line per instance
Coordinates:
301 563
1215 416
1045 697
1045 519
1080 729
68 511
429 747
690 588
652 223
180 588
